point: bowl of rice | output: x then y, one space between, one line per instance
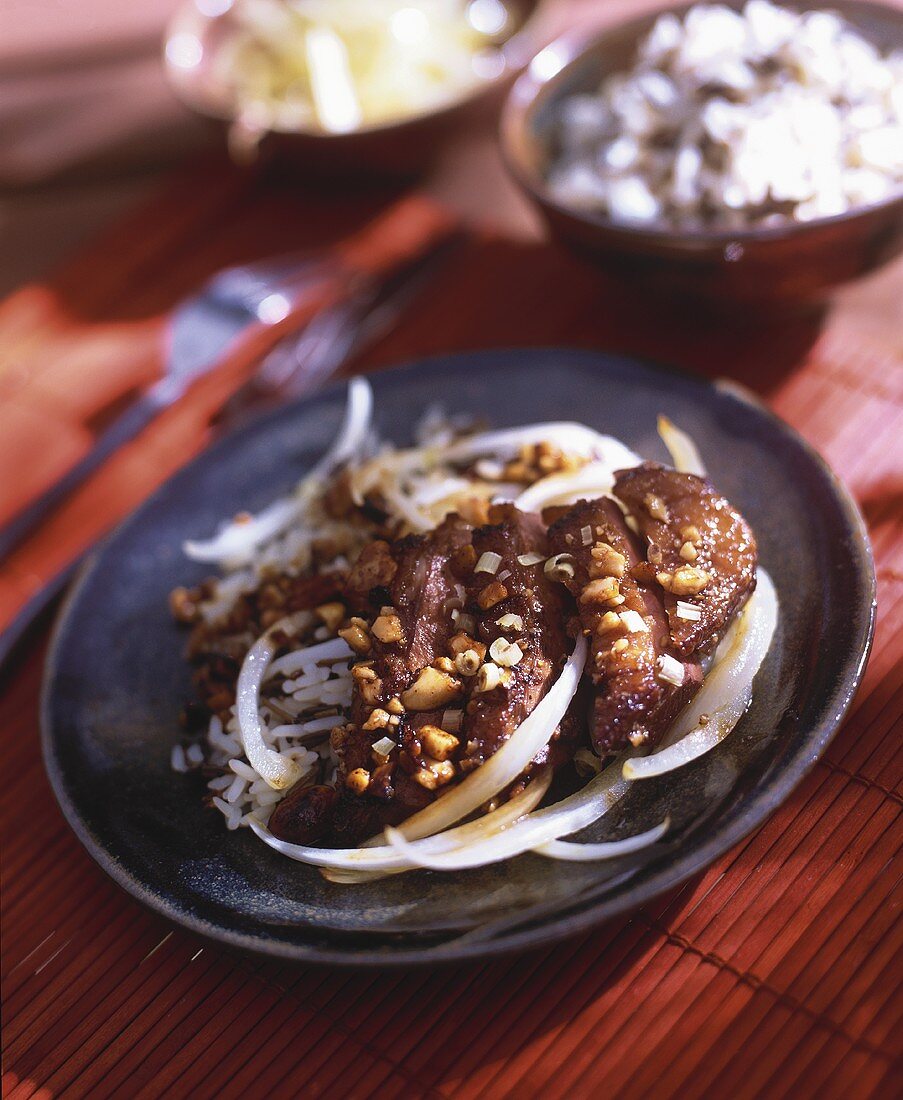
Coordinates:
744 154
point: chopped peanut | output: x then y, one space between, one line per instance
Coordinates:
182 606
691 534
656 507
463 560
610 621
600 591
330 614
378 720
493 593
686 581
607 562
426 778
387 628
688 552
368 684
356 636
358 780
431 690
444 664
443 770
395 707
437 742
518 471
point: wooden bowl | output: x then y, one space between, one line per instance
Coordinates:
781 267
391 149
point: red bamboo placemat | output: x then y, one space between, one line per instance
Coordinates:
776 973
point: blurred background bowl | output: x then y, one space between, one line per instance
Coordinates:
398 148
782 267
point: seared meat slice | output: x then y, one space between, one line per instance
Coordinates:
420 592
624 619
701 550
516 604
408 586
420 666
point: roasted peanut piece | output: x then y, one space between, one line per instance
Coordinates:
331 614
437 742
387 629
656 507
432 689
443 770
609 622
358 780
378 720
606 561
686 581
493 593
356 637
600 591
426 778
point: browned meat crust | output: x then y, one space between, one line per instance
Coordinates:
436 633
623 616
701 550
411 583
537 628
421 661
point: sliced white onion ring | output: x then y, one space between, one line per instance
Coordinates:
237 542
586 853
512 810
385 858
572 438
278 770
565 817
507 763
726 691
595 479
684 452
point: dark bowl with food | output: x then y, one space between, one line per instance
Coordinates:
774 268
401 146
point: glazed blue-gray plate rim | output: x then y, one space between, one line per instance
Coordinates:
559 922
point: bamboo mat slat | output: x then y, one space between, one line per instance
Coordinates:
774 973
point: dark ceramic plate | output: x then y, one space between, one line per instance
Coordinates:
116 679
